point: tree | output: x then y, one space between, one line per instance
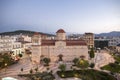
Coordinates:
46 61
92 65
82 64
75 60
62 67
92 53
6 58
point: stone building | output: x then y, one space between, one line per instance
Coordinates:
69 49
89 38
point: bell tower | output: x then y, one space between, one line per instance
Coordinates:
36 39
61 34
36 48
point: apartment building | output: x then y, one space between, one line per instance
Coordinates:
5 43
9 43
114 41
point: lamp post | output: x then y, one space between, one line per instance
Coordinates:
5 67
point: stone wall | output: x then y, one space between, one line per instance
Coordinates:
68 52
36 53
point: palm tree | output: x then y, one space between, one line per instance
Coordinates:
82 63
92 53
46 61
75 60
62 67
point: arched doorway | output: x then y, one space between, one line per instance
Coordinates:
60 57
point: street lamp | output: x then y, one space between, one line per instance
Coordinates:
5 64
5 67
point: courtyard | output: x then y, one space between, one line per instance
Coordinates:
101 59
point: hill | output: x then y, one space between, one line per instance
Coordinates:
110 34
24 32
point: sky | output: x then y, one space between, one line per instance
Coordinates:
77 16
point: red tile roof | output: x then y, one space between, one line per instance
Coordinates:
68 42
75 42
60 31
48 42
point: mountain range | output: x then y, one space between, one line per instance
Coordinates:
110 34
30 33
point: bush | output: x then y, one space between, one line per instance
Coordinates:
75 61
82 64
92 65
89 74
6 59
46 61
62 67
40 76
113 67
116 62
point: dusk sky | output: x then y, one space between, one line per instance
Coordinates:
78 16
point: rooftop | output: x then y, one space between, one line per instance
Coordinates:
68 42
60 31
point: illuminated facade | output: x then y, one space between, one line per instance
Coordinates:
70 49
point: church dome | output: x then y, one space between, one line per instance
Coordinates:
60 31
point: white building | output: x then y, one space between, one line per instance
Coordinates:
17 48
25 38
5 43
9 43
114 41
